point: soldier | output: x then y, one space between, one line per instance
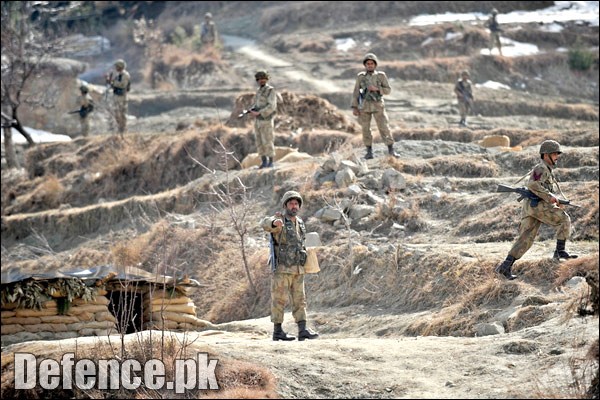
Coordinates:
495 30
120 84
263 111
548 211
86 106
288 235
367 102
208 32
464 94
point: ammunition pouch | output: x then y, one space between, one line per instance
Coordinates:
301 257
119 91
373 96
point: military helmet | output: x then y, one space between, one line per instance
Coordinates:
291 195
120 64
494 11
208 15
261 75
370 56
550 146
84 88
465 72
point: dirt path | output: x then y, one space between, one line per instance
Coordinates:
342 366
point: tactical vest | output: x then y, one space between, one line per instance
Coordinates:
366 81
290 248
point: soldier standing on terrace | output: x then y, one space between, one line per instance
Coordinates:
464 94
367 103
120 83
495 30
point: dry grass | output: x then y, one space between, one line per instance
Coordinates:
234 377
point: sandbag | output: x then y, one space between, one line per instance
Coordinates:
312 262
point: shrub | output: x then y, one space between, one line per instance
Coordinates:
580 59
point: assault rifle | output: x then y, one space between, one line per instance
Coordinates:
272 261
362 93
465 95
244 112
525 193
83 111
108 78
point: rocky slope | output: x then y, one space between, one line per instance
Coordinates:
407 303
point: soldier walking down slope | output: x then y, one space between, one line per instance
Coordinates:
548 211
264 111
495 30
367 102
464 94
120 83
288 235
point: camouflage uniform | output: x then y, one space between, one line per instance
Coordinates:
494 28
120 84
464 94
85 100
288 278
542 183
208 32
373 106
265 102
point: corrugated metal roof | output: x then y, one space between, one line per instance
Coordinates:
96 273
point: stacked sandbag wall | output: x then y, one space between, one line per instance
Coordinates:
91 318
164 311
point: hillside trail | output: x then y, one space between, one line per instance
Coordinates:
529 363
410 104
361 352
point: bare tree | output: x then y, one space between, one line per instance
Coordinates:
24 49
234 198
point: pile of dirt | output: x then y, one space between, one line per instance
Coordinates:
296 112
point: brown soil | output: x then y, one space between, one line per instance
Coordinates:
401 297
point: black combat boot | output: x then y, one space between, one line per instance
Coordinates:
279 334
369 155
269 162
391 151
264 162
560 251
505 268
304 332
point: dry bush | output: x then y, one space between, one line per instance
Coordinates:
319 141
467 302
431 40
185 69
48 194
528 316
127 254
586 267
492 222
448 322
475 166
234 377
85 257
238 302
541 273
